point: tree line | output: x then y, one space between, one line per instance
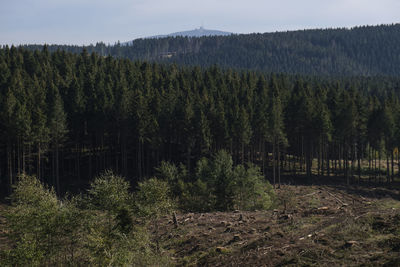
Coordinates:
367 50
67 117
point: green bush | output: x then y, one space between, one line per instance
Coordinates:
219 175
109 192
174 176
33 219
218 185
96 229
152 199
112 239
231 187
251 190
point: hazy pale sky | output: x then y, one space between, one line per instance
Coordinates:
90 21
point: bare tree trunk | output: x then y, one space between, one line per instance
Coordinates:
369 164
38 163
322 156
319 157
188 158
359 155
328 167
279 166
57 170
9 167
139 160
78 162
375 169
273 162
387 168
392 157
379 166
302 153
336 157
347 166
398 163
341 160
263 156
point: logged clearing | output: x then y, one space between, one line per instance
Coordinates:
312 225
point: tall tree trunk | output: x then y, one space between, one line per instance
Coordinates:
398 163
9 167
279 166
273 161
387 168
359 155
263 155
369 164
319 158
78 161
18 156
189 151
340 155
90 162
302 154
375 168
336 158
23 158
328 163
139 152
322 157
38 173
392 158
57 170
379 166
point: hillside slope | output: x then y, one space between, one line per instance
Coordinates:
368 50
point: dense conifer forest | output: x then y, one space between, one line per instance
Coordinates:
366 50
67 117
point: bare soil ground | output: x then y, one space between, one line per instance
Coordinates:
311 226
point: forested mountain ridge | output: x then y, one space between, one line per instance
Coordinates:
72 116
367 50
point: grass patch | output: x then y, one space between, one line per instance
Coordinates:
387 204
350 229
202 257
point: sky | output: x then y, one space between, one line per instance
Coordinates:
83 22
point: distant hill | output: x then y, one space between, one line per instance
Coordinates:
200 32
366 50
195 33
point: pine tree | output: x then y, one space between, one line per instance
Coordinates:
276 127
57 130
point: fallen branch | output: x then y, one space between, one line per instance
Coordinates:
316 192
341 202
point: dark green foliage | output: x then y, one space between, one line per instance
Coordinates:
73 116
